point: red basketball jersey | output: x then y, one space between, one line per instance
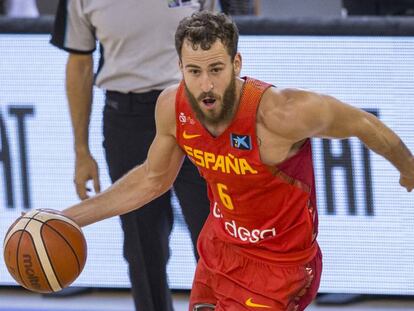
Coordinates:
266 212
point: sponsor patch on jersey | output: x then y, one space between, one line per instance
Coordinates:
242 142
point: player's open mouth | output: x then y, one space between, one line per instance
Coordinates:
209 102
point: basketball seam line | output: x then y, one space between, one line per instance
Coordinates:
57 217
66 241
17 258
48 257
40 263
18 250
37 254
49 274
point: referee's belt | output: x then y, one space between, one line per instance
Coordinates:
130 102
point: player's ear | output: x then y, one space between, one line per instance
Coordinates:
237 64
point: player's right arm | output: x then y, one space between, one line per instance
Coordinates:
79 86
146 181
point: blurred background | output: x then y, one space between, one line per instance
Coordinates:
359 51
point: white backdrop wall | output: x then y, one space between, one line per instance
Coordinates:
366 218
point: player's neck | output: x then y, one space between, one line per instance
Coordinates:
217 129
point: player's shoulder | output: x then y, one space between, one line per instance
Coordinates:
276 99
282 109
282 96
166 99
165 108
284 101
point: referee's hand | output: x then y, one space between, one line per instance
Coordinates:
86 169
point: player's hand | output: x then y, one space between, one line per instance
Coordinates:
407 178
86 169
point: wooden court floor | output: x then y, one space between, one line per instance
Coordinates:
16 299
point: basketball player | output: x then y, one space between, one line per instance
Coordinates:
251 142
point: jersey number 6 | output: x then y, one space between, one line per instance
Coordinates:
224 197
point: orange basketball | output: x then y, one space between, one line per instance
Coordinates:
44 251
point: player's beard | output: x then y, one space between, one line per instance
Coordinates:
228 102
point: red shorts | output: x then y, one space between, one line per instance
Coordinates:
234 282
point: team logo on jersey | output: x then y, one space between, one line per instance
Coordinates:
190 136
185 119
242 142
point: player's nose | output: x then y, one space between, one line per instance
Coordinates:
206 83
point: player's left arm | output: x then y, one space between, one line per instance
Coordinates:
325 116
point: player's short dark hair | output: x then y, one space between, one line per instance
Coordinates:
204 28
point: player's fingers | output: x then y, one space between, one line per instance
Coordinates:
408 187
407 183
96 183
81 190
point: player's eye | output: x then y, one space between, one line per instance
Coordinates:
194 71
216 69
